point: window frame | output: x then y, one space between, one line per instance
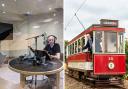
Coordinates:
117 43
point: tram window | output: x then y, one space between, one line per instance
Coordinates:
69 50
98 41
79 46
73 48
110 42
83 41
76 47
121 45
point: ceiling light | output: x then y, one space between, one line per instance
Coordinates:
50 9
36 26
15 0
4 12
39 0
54 14
56 22
28 12
47 20
3 4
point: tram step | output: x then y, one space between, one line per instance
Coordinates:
115 82
91 79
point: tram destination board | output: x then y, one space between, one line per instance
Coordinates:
111 23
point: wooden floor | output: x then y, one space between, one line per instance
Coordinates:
10 79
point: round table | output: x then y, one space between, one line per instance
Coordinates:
26 68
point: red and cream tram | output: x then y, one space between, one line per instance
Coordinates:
108 58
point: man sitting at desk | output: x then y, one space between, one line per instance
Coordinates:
53 49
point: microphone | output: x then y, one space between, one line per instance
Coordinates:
42 35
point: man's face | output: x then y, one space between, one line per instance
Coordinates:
88 36
51 40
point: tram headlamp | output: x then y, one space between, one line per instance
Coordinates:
111 65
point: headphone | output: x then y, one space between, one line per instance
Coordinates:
55 38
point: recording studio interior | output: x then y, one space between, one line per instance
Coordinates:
26 23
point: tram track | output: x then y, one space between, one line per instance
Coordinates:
74 83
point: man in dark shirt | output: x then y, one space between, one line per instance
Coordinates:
89 44
54 51
52 47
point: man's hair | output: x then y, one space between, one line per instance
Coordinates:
55 38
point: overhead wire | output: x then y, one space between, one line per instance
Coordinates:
76 16
79 21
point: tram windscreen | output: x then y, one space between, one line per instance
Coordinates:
110 42
106 42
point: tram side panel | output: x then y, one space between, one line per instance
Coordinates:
109 64
80 62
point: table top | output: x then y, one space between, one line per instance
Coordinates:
26 67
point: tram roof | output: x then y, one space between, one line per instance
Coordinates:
97 27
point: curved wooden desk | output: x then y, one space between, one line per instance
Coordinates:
25 68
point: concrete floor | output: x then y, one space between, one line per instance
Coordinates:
10 79
4 84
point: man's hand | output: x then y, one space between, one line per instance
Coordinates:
57 56
52 57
